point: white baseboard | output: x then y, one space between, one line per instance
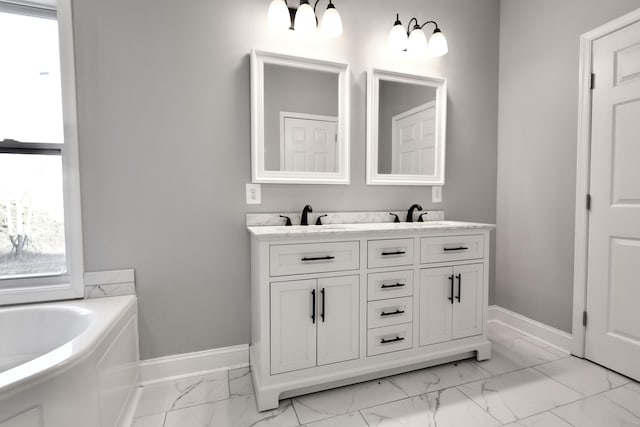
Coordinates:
189 364
549 334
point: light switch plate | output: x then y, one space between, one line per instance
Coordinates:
254 196
436 194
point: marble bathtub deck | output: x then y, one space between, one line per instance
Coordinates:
526 383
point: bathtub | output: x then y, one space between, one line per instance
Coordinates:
69 364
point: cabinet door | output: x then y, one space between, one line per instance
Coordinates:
338 318
467 307
435 305
293 330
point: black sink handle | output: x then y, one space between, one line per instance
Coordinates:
319 220
288 223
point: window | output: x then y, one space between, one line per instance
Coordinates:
40 231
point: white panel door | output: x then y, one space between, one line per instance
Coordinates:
413 141
338 314
293 325
613 283
436 303
309 144
467 304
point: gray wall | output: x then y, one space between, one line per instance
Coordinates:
539 53
163 97
294 91
396 98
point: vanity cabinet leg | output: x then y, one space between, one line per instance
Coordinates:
483 352
267 400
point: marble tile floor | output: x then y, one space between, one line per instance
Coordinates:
526 383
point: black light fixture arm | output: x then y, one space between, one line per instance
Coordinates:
330 6
414 27
417 25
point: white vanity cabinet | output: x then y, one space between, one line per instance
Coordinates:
451 303
337 305
313 322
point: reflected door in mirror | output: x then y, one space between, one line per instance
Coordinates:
413 141
299 120
405 129
308 143
301 116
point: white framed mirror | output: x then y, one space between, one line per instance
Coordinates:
299 120
406 125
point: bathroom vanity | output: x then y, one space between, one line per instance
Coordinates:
342 303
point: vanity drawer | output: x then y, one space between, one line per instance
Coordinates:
391 284
451 248
389 252
389 338
389 312
313 258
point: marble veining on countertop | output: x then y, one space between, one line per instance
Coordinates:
264 231
340 217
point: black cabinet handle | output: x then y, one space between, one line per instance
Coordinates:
396 285
319 258
394 253
322 312
451 297
396 339
459 248
313 306
459 277
398 311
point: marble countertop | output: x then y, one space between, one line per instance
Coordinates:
342 229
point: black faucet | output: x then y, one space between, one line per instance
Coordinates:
305 213
420 217
411 209
319 220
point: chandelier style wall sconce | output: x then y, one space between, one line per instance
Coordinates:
414 41
281 16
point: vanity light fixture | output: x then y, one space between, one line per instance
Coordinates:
281 16
414 41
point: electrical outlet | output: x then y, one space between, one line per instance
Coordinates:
254 196
436 194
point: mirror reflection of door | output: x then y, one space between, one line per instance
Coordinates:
413 141
308 142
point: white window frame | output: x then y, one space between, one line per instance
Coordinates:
70 285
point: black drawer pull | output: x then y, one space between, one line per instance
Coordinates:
459 248
459 277
319 258
384 313
396 339
396 285
394 253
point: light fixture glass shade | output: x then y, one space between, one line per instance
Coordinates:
397 40
438 44
417 44
305 21
331 24
278 18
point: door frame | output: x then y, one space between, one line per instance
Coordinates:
583 171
